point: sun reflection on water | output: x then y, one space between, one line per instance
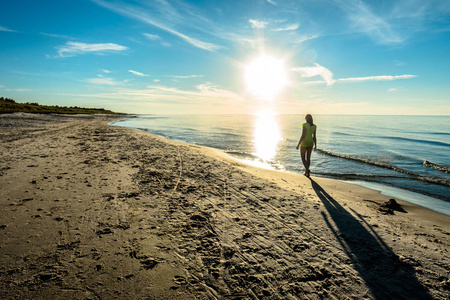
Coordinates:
266 136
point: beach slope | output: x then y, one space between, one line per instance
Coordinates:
93 211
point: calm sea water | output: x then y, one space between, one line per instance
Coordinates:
393 154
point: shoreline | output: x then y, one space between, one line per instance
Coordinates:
441 206
384 189
95 211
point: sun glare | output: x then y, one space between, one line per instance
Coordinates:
266 136
266 77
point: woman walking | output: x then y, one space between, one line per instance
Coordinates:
307 141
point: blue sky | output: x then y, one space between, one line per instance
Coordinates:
339 56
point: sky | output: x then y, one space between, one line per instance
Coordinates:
223 56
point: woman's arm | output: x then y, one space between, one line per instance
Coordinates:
301 138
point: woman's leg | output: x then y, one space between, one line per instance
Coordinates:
308 157
303 153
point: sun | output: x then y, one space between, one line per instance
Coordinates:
265 77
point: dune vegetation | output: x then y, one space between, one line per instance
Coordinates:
10 106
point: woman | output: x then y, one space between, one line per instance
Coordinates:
307 141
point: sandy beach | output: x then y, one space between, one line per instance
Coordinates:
93 211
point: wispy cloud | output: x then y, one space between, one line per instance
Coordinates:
205 94
257 24
304 38
377 78
76 48
2 87
364 20
104 81
211 90
106 71
6 29
317 70
152 37
272 2
185 76
164 16
362 79
60 36
327 76
393 24
138 73
287 28
17 90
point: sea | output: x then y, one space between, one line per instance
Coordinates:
405 157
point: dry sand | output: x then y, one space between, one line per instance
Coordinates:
93 211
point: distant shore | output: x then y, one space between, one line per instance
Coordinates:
93 211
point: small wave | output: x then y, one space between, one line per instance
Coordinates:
438 133
153 117
355 175
441 168
343 133
242 154
368 161
434 143
226 135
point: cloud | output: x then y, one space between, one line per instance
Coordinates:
305 38
377 78
106 71
396 22
6 29
61 36
138 73
288 28
185 76
17 90
317 70
257 24
164 16
152 37
363 20
272 2
14 90
203 95
75 48
327 76
357 79
392 90
103 81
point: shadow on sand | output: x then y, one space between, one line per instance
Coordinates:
384 274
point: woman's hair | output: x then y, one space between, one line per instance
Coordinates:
309 119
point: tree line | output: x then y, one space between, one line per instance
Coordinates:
8 105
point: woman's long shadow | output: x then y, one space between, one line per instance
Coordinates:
384 274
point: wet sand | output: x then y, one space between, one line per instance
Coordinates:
93 211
